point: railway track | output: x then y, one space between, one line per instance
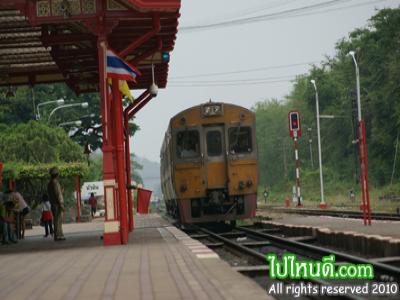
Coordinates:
334 213
247 247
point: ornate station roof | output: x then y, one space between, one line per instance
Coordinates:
44 41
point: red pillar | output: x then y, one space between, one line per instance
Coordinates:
128 172
10 183
111 234
364 172
78 200
119 151
127 115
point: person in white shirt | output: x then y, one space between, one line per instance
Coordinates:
47 217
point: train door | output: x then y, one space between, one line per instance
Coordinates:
215 157
242 159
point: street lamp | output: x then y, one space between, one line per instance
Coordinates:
353 55
321 179
58 102
76 123
83 105
362 143
309 129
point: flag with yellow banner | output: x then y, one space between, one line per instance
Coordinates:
123 88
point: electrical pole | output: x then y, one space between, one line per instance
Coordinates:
321 179
395 158
362 143
310 142
296 155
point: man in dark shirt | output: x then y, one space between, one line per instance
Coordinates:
93 204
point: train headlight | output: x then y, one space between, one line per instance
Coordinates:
183 188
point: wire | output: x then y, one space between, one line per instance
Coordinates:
273 16
236 80
339 8
231 84
257 9
261 17
245 70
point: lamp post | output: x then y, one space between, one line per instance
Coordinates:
353 55
362 149
83 105
321 179
309 129
58 102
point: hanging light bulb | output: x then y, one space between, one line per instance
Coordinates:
153 88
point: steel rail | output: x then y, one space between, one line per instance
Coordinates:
262 257
381 268
235 245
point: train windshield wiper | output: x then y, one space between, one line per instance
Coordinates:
236 143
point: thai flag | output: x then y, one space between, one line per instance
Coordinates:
117 68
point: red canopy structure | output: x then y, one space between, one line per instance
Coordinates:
56 40
47 41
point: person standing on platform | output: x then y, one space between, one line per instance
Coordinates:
47 217
57 204
93 204
7 219
22 210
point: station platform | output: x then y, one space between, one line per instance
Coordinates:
160 262
381 228
379 240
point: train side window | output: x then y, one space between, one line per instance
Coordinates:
240 140
188 144
214 143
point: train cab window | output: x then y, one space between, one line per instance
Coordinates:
240 140
188 144
214 143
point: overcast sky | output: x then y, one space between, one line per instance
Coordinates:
282 40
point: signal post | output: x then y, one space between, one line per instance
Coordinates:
295 133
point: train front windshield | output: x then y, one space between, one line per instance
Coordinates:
240 140
188 144
214 143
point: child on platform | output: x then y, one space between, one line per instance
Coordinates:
47 217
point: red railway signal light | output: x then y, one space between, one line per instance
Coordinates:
294 121
294 124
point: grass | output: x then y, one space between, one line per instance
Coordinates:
339 199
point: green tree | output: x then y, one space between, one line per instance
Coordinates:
22 107
34 143
378 57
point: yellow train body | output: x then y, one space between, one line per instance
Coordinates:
209 164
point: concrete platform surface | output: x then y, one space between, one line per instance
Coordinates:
382 228
160 262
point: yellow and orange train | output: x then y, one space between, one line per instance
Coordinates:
209 167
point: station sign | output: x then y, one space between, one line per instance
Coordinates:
95 187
